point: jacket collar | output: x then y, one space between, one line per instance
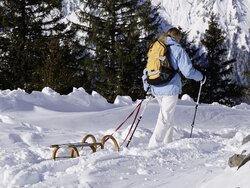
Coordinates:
171 41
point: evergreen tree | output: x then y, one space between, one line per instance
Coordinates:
57 70
247 87
219 86
3 50
118 34
60 62
26 42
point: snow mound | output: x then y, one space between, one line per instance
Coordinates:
242 106
77 101
123 100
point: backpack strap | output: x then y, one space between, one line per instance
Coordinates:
161 43
177 70
154 72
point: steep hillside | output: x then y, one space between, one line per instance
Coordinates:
193 16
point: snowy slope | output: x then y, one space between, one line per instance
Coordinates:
30 123
193 16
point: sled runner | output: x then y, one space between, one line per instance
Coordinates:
93 145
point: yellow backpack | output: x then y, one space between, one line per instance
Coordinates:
159 69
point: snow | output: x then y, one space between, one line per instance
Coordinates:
30 123
193 16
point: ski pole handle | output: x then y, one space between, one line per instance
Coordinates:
199 94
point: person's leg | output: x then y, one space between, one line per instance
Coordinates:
168 109
163 129
157 136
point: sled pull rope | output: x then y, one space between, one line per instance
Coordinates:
138 121
136 108
131 127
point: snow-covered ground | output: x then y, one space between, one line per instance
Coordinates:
30 123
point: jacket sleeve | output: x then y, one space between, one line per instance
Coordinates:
186 67
144 80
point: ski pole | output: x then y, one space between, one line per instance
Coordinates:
138 121
138 110
196 107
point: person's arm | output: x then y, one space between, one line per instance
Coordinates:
186 67
144 80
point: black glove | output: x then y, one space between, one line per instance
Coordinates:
203 81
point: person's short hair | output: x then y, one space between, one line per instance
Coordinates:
172 32
175 33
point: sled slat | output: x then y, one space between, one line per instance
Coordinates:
78 144
74 146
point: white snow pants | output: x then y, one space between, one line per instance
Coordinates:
163 132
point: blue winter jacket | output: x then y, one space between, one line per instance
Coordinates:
179 60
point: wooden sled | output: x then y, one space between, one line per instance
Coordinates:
93 145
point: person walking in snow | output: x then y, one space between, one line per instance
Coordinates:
167 93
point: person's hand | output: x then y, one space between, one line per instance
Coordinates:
149 94
203 81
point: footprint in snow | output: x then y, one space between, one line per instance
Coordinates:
7 119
